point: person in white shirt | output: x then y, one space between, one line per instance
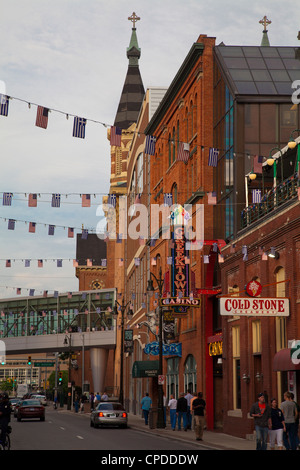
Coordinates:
172 405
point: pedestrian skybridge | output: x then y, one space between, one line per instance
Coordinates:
38 323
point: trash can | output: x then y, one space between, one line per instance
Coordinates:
153 414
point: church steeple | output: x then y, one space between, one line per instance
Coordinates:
265 40
133 90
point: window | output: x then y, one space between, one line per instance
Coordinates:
280 321
256 337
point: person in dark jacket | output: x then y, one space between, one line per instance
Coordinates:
181 411
261 412
278 426
5 412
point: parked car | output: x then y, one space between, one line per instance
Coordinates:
31 409
109 414
42 399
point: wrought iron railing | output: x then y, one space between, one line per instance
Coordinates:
276 197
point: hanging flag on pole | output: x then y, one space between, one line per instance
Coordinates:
150 145
32 226
11 224
40 263
79 127
4 101
213 157
55 200
32 200
256 196
86 200
7 199
51 230
257 164
183 152
212 197
70 232
115 136
42 117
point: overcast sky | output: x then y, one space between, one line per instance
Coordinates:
70 56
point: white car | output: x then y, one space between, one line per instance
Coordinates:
42 399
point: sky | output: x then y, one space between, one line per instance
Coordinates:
70 56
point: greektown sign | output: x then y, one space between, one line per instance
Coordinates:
241 306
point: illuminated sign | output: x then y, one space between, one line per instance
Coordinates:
253 288
255 306
216 348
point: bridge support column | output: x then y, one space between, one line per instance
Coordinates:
99 357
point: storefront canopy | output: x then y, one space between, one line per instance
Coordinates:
282 361
145 369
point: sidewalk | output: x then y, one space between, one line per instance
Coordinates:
214 440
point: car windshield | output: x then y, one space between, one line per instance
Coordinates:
110 406
31 403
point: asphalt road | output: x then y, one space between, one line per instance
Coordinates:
70 431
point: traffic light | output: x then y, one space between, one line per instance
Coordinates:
29 360
60 378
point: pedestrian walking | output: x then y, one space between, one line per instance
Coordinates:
97 399
290 414
172 405
104 397
277 426
189 396
195 395
199 415
181 411
146 404
261 412
92 396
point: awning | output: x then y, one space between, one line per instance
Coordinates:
145 369
282 361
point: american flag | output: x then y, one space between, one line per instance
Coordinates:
150 145
42 117
32 227
7 199
32 200
55 200
257 164
4 101
115 136
86 200
183 152
79 127
8 263
40 263
212 198
213 157
256 196
70 232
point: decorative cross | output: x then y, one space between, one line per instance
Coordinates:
134 18
265 22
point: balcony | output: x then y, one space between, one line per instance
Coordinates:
277 197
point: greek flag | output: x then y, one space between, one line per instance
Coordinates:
55 200
150 145
168 199
213 157
7 199
4 101
112 200
79 127
256 196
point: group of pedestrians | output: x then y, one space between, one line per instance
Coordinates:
181 411
278 424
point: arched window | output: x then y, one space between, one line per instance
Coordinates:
190 374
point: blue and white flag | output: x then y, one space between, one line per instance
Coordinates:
79 127
4 101
213 157
55 200
7 199
168 199
51 230
256 196
112 200
150 145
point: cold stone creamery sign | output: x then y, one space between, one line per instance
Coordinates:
275 307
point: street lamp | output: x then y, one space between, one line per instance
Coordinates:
67 342
122 307
150 288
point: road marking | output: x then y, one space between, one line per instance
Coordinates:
80 437
62 428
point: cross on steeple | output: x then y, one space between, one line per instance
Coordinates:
265 22
134 18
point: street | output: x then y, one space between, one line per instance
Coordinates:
63 430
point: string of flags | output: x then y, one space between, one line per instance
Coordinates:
79 130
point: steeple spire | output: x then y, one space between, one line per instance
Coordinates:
265 40
133 90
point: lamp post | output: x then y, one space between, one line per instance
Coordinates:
68 342
122 307
150 288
